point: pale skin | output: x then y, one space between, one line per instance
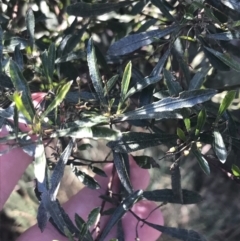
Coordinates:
13 165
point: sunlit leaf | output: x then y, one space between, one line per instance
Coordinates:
110 84
181 134
94 72
71 56
21 86
226 36
226 102
18 58
163 9
236 170
200 121
125 84
219 146
135 41
186 99
233 4
58 99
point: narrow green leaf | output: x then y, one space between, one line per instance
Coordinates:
153 78
21 86
92 217
187 123
186 99
176 182
30 22
58 99
200 121
219 146
51 61
167 195
18 58
120 162
110 84
82 9
225 58
173 86
201 160
226 102
17 98
125 84
181 134
133 42
81 225
125 205
16 121
236 170
98 171
94 72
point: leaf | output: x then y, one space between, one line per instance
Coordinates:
225 58
21 85
120 162
92 217
182 234
173 86
186 99
110 84
59 170
125 205
17 98
18 58
181 134
235 171
200 121
176 181
81 224
201 160
94 72
11 43
153 78
125 84
197 81
146 162
167 195
133 141
51 61
82 9
233 4
187 123
71 56
135 41
58 99
219 146
98 171
226 102
30 22
85 179
225 36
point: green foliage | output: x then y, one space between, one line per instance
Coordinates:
96 77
